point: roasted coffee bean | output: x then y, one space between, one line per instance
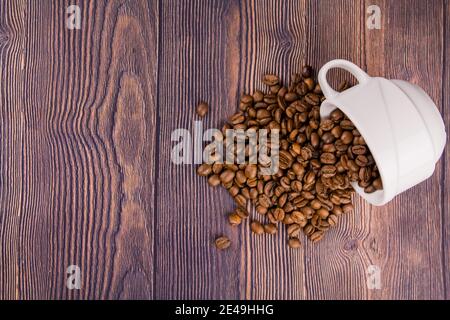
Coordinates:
322 213
316 236
294 243
347 208
328 158
278 214
204 170
234 219
378 185
202 109
222 243
214 180
227 176
257 227
241 212
271 79
346 137
270 228
240 200
307 71
332 219
318 159
361 161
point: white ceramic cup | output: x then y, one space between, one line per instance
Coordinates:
399 122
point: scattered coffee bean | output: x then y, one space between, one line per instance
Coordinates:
222 243
257 227
318 161
202 109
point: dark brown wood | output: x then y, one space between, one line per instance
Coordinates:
199 60
335 268
445 161
79 114
273 42
86 176
404 237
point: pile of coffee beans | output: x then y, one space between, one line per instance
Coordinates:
318 159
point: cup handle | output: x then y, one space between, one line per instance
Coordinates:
356 71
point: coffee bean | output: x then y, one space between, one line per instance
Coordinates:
306 71
294 243
234 219
347 137
204 170
240 200
318 159
241 212
227 176
214 180
222 243
270 79
327 158
322 213
202 109
270 228
278 214
347 208
332 219
378 185
361 161
257 227
316 236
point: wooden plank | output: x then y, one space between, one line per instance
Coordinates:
88 152
12 34
445 161
273 41
405 237
335 268
199 60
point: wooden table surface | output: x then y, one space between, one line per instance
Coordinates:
86 179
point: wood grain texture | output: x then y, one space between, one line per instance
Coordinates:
86 122
335 268
86 151
273 42
199 60
445 161
405 236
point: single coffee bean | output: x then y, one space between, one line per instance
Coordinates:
234 219
309 83
361 161
294 243
257 227
204 169
332 219
347 208
227 176
378 185
328 158
346 137
270 228
240 200
214 180
322 213
261 210
222 243
278 214
241 212
316 236
271 79
202 109
307 71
